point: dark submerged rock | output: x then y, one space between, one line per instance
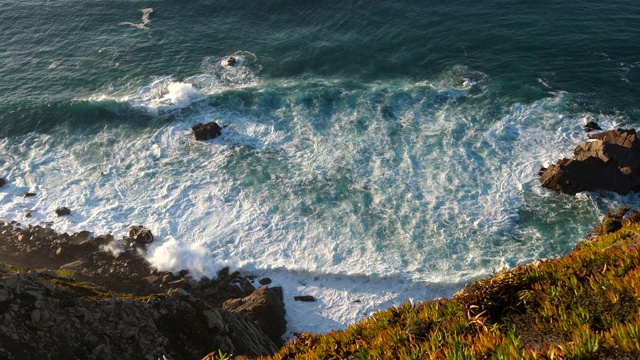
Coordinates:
62 211
609 161
591 126
2 182
231 61
264 281
28 194
207 131
306 298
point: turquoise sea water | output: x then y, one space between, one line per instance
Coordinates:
378 150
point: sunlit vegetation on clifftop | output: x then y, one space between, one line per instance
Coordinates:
585 305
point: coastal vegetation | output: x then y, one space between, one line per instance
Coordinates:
585 305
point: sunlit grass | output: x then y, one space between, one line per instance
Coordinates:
584 305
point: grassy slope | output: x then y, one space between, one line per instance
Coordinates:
584 305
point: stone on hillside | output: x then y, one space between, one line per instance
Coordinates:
50 273
74 265
266 307
214 320
4 295
207 131
609 161
35 316
81 237
62 211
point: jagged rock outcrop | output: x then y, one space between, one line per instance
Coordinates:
609 161
206 131
188 321
126 271
44 315
266 307
139 236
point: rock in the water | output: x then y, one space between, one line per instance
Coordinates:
27 213
28 194
266 307
591 126
62 211
608 161
2 182
207 131
307 298
264 281
140 235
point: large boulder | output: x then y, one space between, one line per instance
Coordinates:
609 161
207 131
266 307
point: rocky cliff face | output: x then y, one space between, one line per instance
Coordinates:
608 161
51 317
89 304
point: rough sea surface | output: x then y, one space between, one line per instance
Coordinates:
376 151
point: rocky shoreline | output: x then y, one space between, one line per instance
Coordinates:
64 296
607 161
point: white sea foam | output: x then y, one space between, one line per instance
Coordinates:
165 94
383 194
145 20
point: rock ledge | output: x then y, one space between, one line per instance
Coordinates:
608 161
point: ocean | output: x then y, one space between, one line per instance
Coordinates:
375 152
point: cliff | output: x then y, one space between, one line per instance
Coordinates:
584 305
65 298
